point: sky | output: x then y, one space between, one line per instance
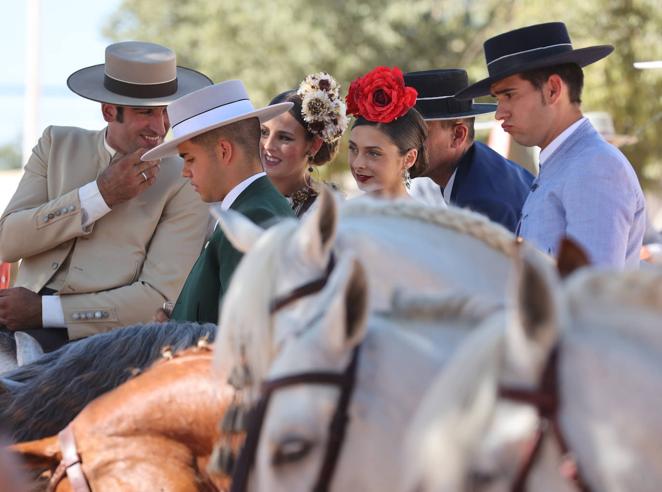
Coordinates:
70 39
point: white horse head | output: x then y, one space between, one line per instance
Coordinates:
605 327
402 245
400 351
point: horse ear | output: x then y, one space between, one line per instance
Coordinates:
534 330
317 232
38 456
571 257
240 231
346 318
27 348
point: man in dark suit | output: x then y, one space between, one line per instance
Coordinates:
464 172
217 132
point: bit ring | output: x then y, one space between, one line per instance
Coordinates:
144 175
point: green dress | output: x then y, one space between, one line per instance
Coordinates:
209 278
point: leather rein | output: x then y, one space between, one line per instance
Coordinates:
345 380
546 400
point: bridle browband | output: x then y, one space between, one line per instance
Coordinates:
337 428
70 465
546 400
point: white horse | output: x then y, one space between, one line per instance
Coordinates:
605 328
400 352
402 245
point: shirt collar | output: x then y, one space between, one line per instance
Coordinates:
558 141
237 190
110 150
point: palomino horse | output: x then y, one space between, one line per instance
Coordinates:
562 393
154 432
40 399
404 246
316 405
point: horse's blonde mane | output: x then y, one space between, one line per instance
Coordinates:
245 327
453 218
636 288
438 307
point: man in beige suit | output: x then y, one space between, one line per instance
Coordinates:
104 238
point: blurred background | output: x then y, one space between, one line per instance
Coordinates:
272 45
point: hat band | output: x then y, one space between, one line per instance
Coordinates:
447 106
514 61
142 91
212 116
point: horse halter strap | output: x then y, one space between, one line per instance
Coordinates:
304 290
337 428
546 400
70 464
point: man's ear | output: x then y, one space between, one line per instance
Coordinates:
460 134
553 88
109 112
225 150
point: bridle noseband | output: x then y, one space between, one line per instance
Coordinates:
546 400
338 426
70 465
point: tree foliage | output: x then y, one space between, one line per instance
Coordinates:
272 45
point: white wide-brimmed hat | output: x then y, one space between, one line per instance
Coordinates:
209 108
137 74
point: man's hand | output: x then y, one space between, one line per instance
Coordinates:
126 178
164 313
20 309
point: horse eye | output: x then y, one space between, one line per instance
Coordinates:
290 450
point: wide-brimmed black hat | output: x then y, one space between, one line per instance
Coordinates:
529 48
138 74
436 94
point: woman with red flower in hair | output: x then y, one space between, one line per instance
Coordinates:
387 142
305 136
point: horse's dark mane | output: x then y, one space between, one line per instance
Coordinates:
54 389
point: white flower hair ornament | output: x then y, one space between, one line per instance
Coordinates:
322 108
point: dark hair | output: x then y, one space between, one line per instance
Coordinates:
119 117
406 132
328 150
245 133
468 122
570 73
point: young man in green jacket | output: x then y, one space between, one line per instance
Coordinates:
217 131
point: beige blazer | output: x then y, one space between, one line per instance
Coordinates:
121 268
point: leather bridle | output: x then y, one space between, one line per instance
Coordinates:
546 400
70 465
337 428
345 380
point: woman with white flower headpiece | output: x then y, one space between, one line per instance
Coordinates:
305 136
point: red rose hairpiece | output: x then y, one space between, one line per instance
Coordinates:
380 95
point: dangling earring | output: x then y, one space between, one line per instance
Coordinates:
406 179
310 163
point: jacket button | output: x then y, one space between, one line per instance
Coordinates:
46 219
51 216
76 316
97 315
72 208
55 265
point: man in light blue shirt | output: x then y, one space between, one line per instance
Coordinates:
586 190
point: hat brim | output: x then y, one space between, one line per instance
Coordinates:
169 148
581 56
476 109
88 83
